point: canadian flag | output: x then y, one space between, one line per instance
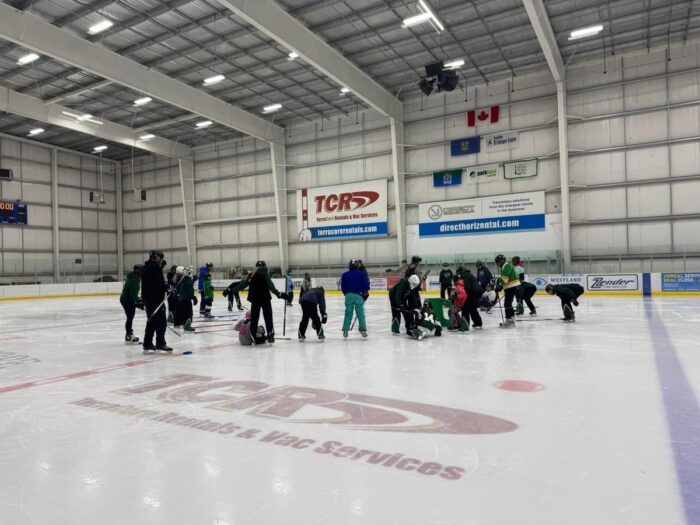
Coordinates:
482 116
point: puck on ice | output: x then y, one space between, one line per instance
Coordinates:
188 352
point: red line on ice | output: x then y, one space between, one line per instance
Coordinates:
95 371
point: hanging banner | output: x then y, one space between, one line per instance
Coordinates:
447 178
517 212
520 169
498 141
484 173
466 146
344 211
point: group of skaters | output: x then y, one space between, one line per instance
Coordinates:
462 293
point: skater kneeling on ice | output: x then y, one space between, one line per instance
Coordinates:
400 296
488 298
312 303
130 301
244 337
458 297
424 323
569 294
354 284
259 287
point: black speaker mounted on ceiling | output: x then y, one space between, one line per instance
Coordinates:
438 79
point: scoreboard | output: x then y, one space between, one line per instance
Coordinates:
13 212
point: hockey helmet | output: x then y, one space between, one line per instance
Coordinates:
515 259
260 264
500 259
138 268
156 253
446 265
352 265
414 281
479 264
549 289
180 270
415 259
210 265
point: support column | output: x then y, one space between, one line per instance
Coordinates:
120 221
279 182
54 217
186 168
564 174
398 175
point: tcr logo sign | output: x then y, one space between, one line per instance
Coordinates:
345 201
298 404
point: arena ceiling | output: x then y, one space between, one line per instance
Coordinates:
193 40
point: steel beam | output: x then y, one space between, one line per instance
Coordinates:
548 42
279 180
186 171
44 38
398 172
33 108
270 18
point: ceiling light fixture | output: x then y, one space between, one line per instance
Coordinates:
272 108
213 80
204 124
454 64
344 90
147 136
98 149
35 131
27 59
100 26
426 15
585 31
415 20
85 117
292 56
142 101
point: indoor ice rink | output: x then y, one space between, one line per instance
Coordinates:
429 262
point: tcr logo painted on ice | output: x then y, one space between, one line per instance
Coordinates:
296 404
345 201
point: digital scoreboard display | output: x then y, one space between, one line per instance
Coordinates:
13 212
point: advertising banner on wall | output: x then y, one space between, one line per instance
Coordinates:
484 173
680 282
520 169
500 214
499 141
465 146
612 283
540 281
344 211
447 178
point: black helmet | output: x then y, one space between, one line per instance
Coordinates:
549 289
500 257
245 271
322 289
445 265
352 265
427 305
415 259
138 268
210 265
515 259
479 264
156 253
260 264
307 276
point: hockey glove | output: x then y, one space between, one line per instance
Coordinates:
194 300
575 302
139 304
499 288
225 293
324 319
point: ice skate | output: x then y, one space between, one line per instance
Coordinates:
129 338
188 326
363 333
395 330
271 338
533 312
230 308
164 348
149 349
302 337
508 323
345 334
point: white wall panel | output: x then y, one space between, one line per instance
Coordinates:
686 198
685 236
646 237
648 201
598 204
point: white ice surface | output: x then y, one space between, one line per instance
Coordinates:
592 447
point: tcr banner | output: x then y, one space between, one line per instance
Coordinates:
344 211
497 214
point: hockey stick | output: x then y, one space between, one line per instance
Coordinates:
352 326
284 322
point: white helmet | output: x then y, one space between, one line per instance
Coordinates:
414 281
180 270
189 271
